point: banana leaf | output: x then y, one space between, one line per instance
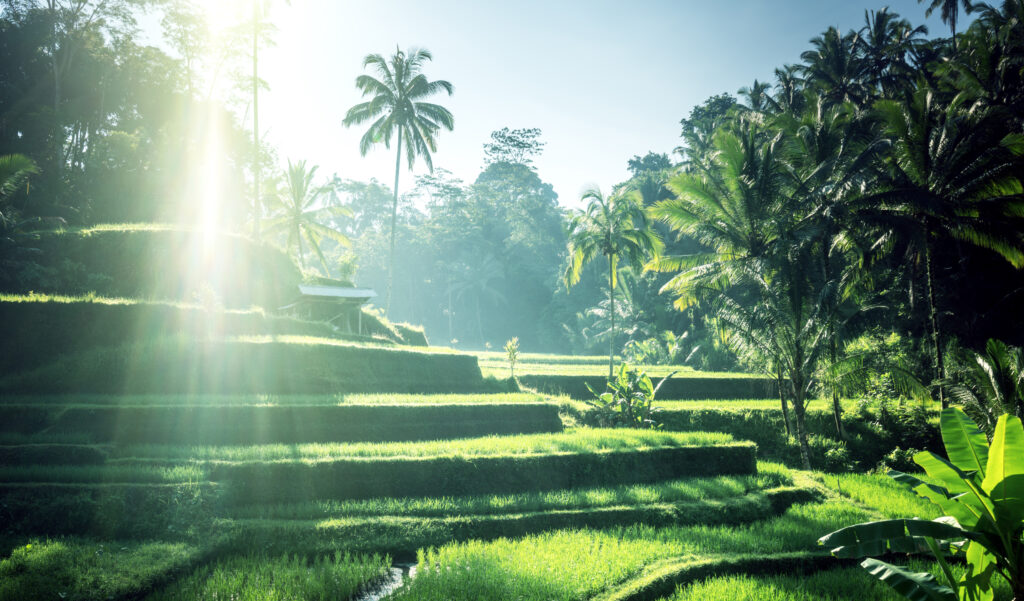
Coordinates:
916 586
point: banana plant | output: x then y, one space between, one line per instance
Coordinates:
628 401
980 489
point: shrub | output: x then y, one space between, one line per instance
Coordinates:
628 401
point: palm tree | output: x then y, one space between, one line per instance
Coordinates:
886 42
301 216
836 69
728 204
758 272
994 384
396 107
953 173
14 171
949 12
617 228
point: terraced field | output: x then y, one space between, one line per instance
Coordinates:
487 495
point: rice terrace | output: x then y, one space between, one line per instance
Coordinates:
511 301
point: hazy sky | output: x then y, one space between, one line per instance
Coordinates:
604 80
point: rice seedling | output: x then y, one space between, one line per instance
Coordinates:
675 491
583 440
75 569
255 578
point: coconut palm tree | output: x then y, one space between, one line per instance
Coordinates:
949 11
886 42
993 383
615 227
836 69
301 215
953 173
728 204
397 108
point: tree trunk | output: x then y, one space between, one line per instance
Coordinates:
801 430
785 405
394 222
611 316
933 319
837 407
58 134
256 201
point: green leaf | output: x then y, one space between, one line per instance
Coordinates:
976 583
913 482
966 445
964 506
952 477
1006 456
898 536
1008 501
916 586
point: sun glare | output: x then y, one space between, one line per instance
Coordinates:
224 14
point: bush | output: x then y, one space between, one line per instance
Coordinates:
873 432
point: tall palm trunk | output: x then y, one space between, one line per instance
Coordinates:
611 314
933 317
394 222
257 209
837 408
785 405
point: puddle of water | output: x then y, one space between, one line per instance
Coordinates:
394 580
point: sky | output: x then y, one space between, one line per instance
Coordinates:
603 80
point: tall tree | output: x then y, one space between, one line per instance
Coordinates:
397 108
617 228
517 146
949 11
953 173
301 215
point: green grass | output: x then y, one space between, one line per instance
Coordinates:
103 474
575 564
499 369
254 578
882 493
842 584
582 440
79 569
675 491
255 364
561 565
742 405
495 364
849 584
267 400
